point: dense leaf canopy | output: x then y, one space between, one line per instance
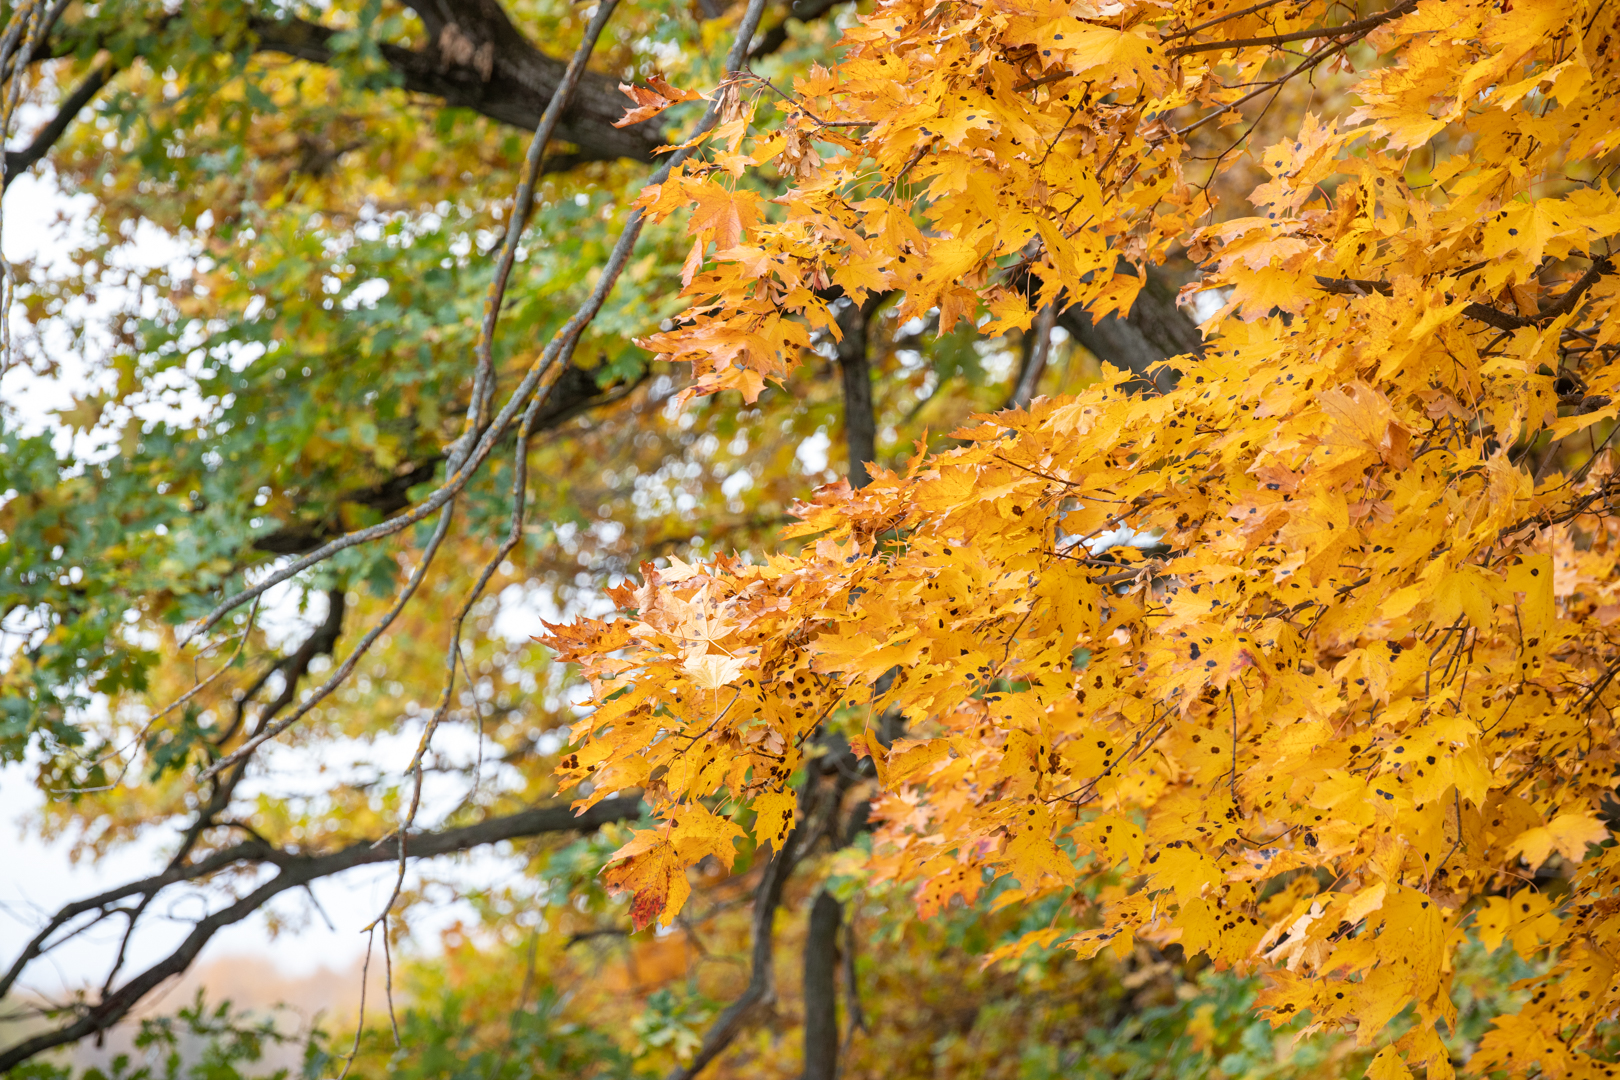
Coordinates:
1248 675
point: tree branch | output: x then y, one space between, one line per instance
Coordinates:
559 350
1484 313
321 641
1155 330
511 81
1037 347
767 898
860 422
296 871
1360 26
476 59
20 161
818 816
821 988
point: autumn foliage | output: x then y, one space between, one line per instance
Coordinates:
1353 703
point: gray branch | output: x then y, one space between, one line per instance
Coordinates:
296 872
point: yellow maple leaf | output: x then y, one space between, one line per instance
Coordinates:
699 833
711 672
649 867
1030 855
774 815
1567 834
1387 1065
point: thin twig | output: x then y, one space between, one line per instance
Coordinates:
558 352
1361 26
360 1021
522 206
295 872
492 308
349 663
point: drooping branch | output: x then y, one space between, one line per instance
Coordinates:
484 392
558 351
295 872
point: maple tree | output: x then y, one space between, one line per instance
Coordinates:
1280 645
254 340
1363 697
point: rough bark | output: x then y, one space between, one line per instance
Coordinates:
854 365
821 988
478 60
1155 330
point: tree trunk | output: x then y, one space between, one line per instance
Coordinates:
821 988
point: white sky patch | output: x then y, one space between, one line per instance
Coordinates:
366 294
1205 304
739 482
812 452
1124 536
44 225
41 224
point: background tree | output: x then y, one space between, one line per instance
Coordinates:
397 388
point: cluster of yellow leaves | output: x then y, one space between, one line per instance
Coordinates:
1367 694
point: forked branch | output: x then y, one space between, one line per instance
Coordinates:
296 871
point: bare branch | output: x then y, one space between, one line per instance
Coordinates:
296 871
561 99
559 350
268 731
